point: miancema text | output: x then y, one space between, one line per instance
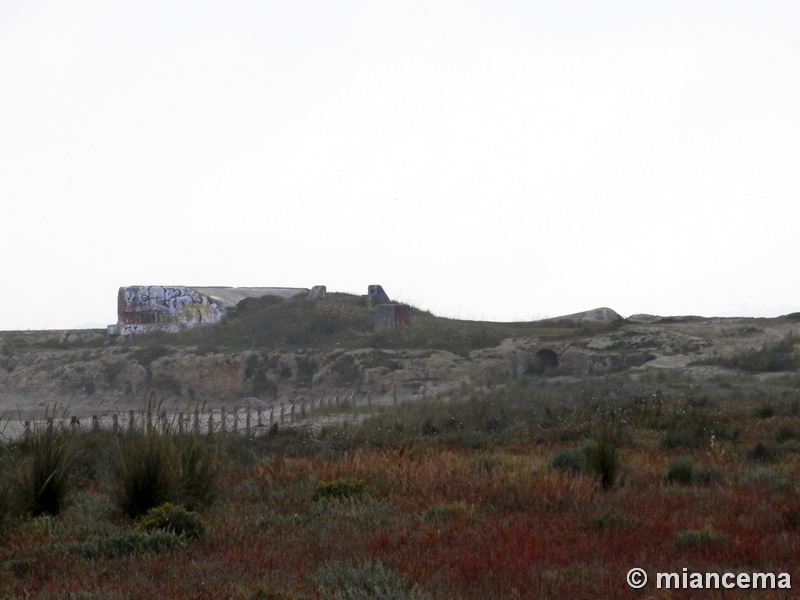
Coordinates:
703 581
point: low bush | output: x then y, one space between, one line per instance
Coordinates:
46 473
599 458
7 499
699 537
602 456
767 477
762 453
785 434
611 519
569 460
146 472
680 471
339 489
770 358
446 512
126 543
174 519
764 411
369 580
151 469
689 438
198 471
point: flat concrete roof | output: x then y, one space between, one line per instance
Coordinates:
231 296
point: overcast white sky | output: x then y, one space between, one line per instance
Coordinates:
483 160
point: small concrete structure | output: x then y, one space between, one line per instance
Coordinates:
318 292
141 309
376 295
391 316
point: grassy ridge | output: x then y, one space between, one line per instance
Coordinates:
345 321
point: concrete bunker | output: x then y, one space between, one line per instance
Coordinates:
146 308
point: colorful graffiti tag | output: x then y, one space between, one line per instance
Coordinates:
144 308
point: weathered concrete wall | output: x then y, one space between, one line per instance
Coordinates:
155 307
376 295
390 316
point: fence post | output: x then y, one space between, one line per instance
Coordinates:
115 423
247 422
222 421
95 423
235 420
50 425
210 423
180 423
197 421
164 423
131 421
27 429
261 417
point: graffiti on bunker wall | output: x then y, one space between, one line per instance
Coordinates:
164 307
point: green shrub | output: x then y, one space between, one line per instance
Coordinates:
146 355
446 512
429 427
199 471
699 537
130 542
765 411
602 456
7 499
689 438
762 453
569 460
151 469
146 472
366 581
785 434
174 519
770 358
611 519
681 471
768 477
599 458
46 474
338 489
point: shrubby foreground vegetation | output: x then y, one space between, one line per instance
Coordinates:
526 488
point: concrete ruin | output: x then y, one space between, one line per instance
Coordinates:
376 295
142 309
391 316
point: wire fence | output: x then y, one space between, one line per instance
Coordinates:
251 421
